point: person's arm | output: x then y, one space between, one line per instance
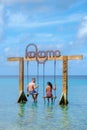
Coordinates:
54 87
35 86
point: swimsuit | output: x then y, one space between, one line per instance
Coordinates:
49 94
33 92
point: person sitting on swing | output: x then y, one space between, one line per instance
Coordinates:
31 89
49 89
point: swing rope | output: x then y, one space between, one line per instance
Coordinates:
27 72
37 75
27 75
43 78
55 77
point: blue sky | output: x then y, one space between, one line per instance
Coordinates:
50 25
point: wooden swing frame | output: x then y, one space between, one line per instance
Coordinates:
64 97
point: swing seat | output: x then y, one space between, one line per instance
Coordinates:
32 94
54 97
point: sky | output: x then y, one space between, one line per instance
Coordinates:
51 25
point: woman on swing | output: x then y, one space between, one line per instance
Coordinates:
49 89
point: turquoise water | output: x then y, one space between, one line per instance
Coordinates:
41 115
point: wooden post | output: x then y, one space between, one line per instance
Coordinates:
63 99
22 97
21 75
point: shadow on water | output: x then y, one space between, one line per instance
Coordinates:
27 115
49 106
26 107
48 110
65 122
21 109
33 114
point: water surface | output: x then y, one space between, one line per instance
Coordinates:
43 115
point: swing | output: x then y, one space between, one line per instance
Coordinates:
53 96
35 94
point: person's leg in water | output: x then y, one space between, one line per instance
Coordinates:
48 99
34 96
51 99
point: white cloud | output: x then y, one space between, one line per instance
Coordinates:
7 49
1 20
51 46
1 13
82 32
17 19
12 51
21 19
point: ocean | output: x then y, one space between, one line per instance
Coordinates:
43 115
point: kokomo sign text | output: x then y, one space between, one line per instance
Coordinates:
40 54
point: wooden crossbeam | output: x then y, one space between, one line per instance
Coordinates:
74 57
14 58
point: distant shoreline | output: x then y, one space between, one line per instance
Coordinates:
42 75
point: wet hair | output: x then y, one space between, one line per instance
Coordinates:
33 79
50 84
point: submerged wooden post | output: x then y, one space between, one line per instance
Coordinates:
63 99
22 97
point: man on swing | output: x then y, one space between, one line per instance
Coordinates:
31 89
